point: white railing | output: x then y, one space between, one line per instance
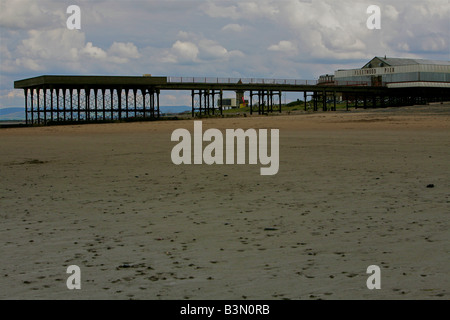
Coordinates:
239 80
294 82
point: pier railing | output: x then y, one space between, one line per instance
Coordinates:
213 80
351 83
239 80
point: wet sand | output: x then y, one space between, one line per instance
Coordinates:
351 192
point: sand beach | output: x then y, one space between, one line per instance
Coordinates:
354 189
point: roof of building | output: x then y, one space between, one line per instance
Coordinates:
406 61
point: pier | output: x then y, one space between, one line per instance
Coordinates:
53 99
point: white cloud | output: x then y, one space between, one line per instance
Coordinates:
12 94
235 54
284 46
234 27
120 52
243 9
68 48
93 52
198 50
390 12
51 45
434 43
29 64
403 46
29 14
185 51
246 38
215 11
212 50
340 27
260 9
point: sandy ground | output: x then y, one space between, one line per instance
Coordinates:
351 192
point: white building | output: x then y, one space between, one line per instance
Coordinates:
399 73
228 103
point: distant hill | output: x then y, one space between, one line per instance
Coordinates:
19 113
12 114
174 109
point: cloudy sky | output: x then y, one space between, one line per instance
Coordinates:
285 39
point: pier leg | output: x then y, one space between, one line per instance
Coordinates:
45 102
207 102
38 106
112 103
270 96
213 102
192 99
200 96
104 108
57 106
279 100
32 106
304 98
126 103
96 104
64 104
143 101
157 102
221 102
79 105
87 96
314 97
25 91
135 102
152 103
334 101
251 102
71 104
259 102
119 98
